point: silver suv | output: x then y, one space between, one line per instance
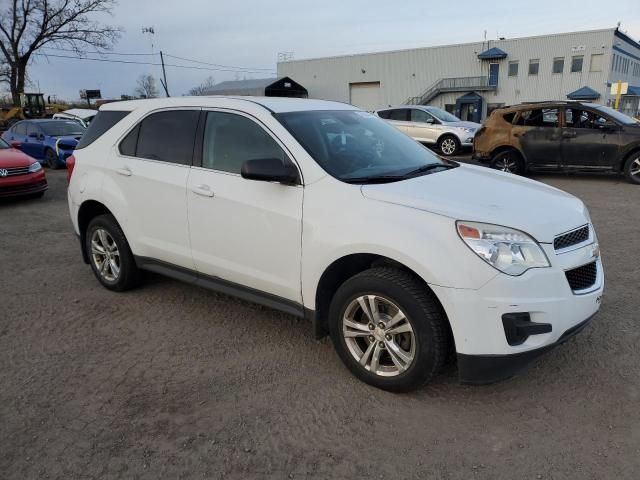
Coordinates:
433 126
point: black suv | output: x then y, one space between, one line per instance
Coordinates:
560 136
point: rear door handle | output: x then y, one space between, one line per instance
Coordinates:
203 190
126 171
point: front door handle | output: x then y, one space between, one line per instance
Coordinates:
126 171
203 190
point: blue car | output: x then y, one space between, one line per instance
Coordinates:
48 141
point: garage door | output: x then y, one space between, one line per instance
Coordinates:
365 95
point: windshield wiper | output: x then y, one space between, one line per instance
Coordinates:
404 176
429 167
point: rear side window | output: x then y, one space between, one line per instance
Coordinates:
400 114
20 129
165 136
102 122
539 117
384 114
508 117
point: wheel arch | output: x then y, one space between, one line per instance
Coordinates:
629 151
87 212
448 134
345 267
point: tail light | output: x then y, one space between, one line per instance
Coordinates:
71 163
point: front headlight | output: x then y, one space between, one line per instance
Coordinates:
511 251
467 130
35 167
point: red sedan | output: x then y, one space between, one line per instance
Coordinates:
20 175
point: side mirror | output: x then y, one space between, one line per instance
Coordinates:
609 127
15 145
429 121
269 170
34 135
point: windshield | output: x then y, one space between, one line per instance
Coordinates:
616 115
61 128
353 145
3 144
442 115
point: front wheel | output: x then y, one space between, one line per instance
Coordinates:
389 329
508 161
109 254
449 145
632 168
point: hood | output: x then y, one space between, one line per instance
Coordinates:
12 157
473 125
479 194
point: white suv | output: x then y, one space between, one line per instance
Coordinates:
327 212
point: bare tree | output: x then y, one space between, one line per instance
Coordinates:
146 87
204 87
28 25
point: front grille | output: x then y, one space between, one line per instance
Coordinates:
25 189
582 277
571 238
11 171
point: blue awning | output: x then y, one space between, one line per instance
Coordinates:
584 93
492 54
633 91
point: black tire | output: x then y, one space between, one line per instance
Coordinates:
129 275
632 168
52 159
449 145
508 161
422 311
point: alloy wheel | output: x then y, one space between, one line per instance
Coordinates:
378 335
448 146
105 255
506 163
635 168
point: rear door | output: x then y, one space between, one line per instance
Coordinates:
590 140
34 141
149 170
400 118
244 231
424 127
538 133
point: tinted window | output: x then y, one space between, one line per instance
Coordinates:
513 69
20 128
130 142
384 114
168 136
558 65
102 122
230 140
356 146
576 63
421 116
539 117
400 114
534 66
508 117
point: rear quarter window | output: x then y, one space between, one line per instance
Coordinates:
508 117
100 124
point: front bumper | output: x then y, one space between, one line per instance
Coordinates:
23 185
476 316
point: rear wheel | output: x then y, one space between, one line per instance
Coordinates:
52 159
632 168
449 145
508 161
389 329
109 254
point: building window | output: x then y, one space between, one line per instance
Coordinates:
513 69
534 66
558 65
576 63
596 62
613 63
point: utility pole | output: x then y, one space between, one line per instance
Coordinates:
164 76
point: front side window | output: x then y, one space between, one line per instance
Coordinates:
168 136
420 116
230 140
578 118
513 69
33 130
576 63
358 147
558 65
534 66
442 115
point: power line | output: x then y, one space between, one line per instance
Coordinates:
101 53
150 63
215 64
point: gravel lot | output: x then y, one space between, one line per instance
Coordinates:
173 381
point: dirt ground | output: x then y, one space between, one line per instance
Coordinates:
173 381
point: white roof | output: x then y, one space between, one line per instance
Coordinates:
82 113
275 104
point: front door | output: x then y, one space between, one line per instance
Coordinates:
34 142
494 73
589 139
538 134
244 231
423 127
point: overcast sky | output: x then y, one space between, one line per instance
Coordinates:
250 33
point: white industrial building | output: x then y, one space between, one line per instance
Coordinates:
471 79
